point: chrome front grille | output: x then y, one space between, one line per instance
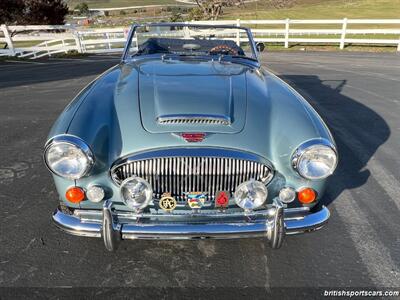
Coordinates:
179 175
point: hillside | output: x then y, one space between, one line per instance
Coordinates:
320 9
118 3
302 9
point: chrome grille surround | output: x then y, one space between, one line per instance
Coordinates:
183 170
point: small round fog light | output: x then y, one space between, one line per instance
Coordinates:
287 195
95 193
136 192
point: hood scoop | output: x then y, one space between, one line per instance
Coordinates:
194 119
175 99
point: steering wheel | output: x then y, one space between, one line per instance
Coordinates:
223 49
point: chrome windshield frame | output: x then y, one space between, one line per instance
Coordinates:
132 31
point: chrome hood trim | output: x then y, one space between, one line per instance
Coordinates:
194 119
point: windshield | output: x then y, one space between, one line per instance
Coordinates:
190 40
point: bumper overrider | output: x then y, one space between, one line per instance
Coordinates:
113 226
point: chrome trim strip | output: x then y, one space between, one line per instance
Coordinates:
128 43
198 231
194 151
253 44
218 230
95 215
194 119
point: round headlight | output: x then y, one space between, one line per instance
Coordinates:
315 160
136 192
68 157
251 194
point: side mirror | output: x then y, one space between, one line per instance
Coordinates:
260 47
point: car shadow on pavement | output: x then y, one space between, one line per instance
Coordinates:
358 130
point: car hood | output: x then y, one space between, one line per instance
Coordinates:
178 96
117 114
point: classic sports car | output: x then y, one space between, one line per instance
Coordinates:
188 137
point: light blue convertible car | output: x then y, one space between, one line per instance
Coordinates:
188 137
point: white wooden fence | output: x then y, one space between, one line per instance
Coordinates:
288 35
39 41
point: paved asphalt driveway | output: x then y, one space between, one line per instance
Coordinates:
357 94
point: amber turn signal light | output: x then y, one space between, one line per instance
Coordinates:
75 195
306 195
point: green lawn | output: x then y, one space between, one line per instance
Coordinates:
325 9
118 3
320 9
324 47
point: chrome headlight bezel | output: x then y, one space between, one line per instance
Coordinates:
311 145
74 142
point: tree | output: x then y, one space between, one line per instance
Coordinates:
45 12
33 12
196 14
82 8
10 11
212 9
176 15
282 3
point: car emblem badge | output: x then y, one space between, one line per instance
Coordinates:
222 200
167 202
196 199
193 137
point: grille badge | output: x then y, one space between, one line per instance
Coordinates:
196 199
193 137
167 202
222 200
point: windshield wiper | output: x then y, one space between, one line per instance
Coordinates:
180 55
238 59
241 57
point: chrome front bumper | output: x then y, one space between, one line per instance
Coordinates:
273 223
